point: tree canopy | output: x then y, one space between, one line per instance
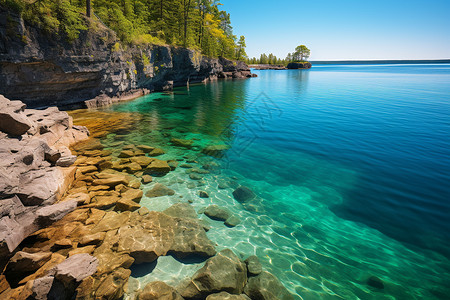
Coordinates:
197 24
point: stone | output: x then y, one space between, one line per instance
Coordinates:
147 179
158 167
126 154
145 148
76 268
215 150
62 244
79 198
12 120
181 210
51 155
133 167
186 166
226 296
112 287
156 152
254 266
126 205
23 262
266 286
182 143
110 179
232 221
203 194
112 220
132 195
87 169
159 190
92 239
52 213
82 250
243 194
143 161
66 161
217 213
41 288
173 164
223 272
195 176
375 282
158 290
105 201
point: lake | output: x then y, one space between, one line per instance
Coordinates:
350 165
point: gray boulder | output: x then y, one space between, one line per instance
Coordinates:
223 272
75 268
13 121
266 286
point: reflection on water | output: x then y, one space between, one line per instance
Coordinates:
302 141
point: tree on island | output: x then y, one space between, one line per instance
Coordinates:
301 53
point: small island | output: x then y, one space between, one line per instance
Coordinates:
296 60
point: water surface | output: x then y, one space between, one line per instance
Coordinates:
351 165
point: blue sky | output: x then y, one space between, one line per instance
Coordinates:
344 29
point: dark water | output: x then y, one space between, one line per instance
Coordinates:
351 164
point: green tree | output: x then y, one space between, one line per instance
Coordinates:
240 54
301 53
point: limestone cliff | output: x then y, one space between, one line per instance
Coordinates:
43 69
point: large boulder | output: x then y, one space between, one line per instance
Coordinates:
217 213
158 290
223 272
13 121
266 286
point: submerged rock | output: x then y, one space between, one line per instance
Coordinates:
182 143
159 190
254 267
217 213
203 194
215 150
243 194
181 210
232 221
266 286
227 296
223 272
375 282
158 290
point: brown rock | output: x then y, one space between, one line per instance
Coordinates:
158 290
227 296
158 167
133 195
126 154
126 205
143 161
223 272
112 287
145 148
156 152
93 239
181 210
146 179
133 167
82 250
112 220
110 179
159 190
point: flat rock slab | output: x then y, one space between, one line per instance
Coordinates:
158 290
76 268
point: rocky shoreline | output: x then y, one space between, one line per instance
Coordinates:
86 243
43 69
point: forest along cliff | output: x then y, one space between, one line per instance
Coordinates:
44 69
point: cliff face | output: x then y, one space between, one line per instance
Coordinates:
43 69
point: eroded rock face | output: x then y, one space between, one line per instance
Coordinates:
223 272
87 69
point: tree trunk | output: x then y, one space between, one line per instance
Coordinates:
88 8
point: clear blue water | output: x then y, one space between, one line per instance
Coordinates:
351 165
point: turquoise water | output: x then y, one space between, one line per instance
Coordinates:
351 165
